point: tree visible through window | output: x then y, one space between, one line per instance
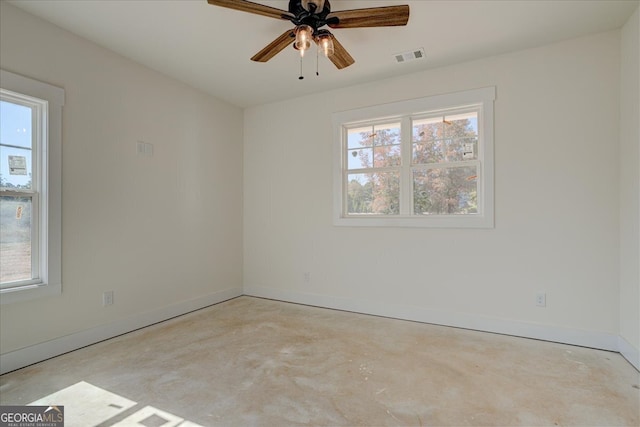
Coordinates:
374 159
445 172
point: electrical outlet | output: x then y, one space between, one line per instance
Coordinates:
307 277
107 298
541 299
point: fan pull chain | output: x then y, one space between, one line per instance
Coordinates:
301 76
317 61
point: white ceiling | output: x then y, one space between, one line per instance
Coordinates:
209 47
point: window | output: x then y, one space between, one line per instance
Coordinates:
421 163
30 150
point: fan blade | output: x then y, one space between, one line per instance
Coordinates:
251 7
388 16
340 58
275 47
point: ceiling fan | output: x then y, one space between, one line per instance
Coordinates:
309 16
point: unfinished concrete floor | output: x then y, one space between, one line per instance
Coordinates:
252 361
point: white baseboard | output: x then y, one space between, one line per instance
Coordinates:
600 340
36 353
593 339
629 352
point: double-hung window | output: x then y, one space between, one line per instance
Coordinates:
30 148
421 163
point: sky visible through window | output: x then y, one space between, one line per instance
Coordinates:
15 140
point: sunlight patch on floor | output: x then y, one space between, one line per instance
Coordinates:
88 405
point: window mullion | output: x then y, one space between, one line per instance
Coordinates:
35 237
406 180
373 170
447 165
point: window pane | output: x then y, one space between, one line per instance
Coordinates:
387 134
428 152
443 138
386 155
446 191
428 129
427 140
373 193
461 124
15 167
15 145
360 158
15 120
15 238
360 137
455 149
374 146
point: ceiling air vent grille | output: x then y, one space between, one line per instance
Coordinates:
411 55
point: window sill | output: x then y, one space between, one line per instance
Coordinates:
29 292
431 221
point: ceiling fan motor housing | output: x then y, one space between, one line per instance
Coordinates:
310 12
313 5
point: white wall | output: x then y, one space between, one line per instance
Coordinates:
163 232
630 189
557 222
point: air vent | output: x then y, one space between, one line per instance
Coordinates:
411 55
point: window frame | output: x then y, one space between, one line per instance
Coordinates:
46 184
38 109
405 111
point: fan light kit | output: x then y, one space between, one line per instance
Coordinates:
304 35
309 16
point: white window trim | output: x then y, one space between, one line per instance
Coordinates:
50 233
485 216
